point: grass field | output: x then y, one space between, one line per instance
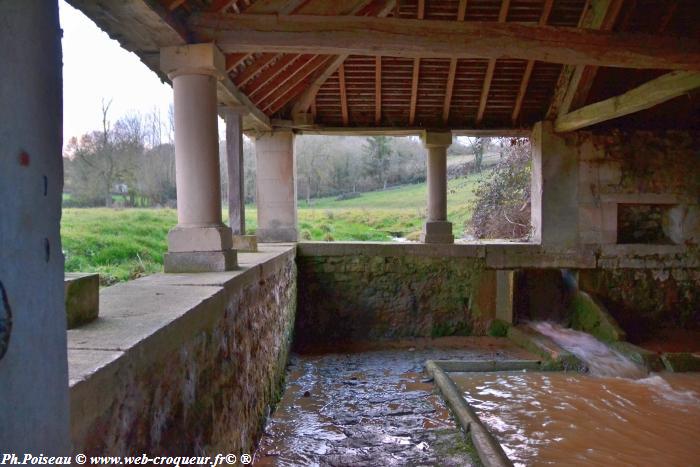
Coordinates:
128 243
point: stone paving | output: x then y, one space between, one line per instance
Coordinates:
374 407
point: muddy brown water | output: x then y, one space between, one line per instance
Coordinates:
572 419
371 407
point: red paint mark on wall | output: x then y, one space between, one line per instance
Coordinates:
24 159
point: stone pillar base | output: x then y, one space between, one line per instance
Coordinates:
437 232
278 235
248 243
200 261
205 238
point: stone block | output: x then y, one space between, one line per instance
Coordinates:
247 243
189 239
277 234
82 298
437 232
199 261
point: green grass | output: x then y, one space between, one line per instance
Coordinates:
129 243
118 244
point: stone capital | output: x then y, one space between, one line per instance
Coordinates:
196 59
436 138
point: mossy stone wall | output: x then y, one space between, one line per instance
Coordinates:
369 297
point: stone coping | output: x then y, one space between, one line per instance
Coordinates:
517 255
147 319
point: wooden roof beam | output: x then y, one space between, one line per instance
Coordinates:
452 74
233 60
544 17
416 73
490 68
343 95
593 18
377 90
263 92
254 68
337 35
304 102
654 92
583 77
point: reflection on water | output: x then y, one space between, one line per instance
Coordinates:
600 359
572 419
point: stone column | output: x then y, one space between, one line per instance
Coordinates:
34 396
200 242
276 187
437 229
236 179
554 190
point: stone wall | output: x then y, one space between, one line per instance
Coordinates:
653 280
184 364
357 292
659 169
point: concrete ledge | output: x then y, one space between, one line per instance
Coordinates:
489 450
199 261
681 361
509 256
167 346
82 298
555 357
390 249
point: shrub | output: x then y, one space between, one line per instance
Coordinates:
502 207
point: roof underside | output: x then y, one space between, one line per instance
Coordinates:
404 92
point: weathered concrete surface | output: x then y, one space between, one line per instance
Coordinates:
681 361
554 192
33 371
374 295
372 407
82 298
589 315
184 363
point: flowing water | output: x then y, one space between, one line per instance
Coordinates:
600 359
617 415
572 419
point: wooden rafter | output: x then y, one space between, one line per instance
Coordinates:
251 70
295 90
490 68
583 77
174 4
544 17
593 17
219 6
267 75
337 35
278 97
343 95
377 90
262 93
304 102
233 60
416 73
461 13
654 92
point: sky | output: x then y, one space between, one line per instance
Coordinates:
95 67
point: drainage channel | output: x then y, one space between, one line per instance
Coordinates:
373 406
